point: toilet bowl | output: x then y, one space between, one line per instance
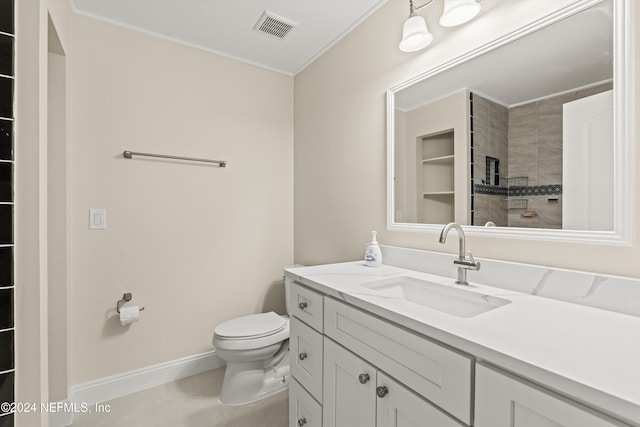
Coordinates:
256 351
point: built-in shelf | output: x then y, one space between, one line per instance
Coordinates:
435 177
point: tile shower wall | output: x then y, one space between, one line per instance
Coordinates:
535 151
489 122
527 142
6 208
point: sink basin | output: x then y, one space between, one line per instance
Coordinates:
445 298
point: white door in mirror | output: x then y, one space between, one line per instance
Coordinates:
588 163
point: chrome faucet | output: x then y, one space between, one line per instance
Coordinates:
463 262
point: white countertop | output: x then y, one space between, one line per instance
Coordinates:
589 354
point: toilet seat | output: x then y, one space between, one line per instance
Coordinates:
251 326
252 331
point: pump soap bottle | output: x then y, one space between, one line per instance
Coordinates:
372 254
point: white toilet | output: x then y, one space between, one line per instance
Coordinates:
256 350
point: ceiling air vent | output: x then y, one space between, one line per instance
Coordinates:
274 25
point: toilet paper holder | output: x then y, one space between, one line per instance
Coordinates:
125 298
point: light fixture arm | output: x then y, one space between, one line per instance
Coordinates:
413 9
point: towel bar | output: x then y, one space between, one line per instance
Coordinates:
129 154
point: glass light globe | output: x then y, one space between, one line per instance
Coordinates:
457 12
415 35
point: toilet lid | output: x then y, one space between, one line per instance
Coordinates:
252 326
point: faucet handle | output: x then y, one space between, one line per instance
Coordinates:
468 263
472 262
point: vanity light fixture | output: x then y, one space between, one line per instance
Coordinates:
416 36
457 12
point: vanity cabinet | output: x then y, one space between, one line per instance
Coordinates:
352 368
361 370
356 394
305 357
504 400
438 373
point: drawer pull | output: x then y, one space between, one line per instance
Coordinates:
302 356
302 421
363 378
302 305
382 391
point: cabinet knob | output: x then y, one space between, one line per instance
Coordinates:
363 378
302 356
382 391
302 305
302 421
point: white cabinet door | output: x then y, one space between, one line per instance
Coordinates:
503 400
399 407
349 389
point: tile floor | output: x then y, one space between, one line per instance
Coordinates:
189 402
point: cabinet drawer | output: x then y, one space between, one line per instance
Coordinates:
307 306
305 355
503 400
303 410
441 375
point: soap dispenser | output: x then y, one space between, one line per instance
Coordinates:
372 253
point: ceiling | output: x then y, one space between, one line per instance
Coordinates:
226 27
572 53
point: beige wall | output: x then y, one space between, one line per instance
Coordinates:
31 195
340 144
447 114
195 244
57 227
404 176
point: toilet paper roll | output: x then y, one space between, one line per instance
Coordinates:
130 314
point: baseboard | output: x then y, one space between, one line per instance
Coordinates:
87 395
108 388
